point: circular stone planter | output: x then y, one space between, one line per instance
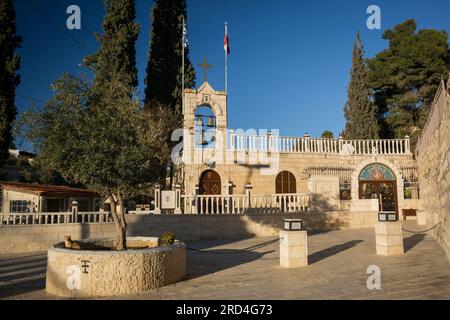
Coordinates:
92 273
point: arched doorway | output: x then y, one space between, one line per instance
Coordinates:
210 183
285 183
377 181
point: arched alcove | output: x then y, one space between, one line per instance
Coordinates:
205 127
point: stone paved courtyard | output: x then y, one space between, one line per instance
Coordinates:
248 269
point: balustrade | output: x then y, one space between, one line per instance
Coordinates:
271 143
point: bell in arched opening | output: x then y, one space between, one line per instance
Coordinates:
199 122
211 122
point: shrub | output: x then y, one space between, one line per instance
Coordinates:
167 239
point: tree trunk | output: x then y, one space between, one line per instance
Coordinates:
119 223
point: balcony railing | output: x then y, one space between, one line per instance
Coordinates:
8 219
241 204
276 144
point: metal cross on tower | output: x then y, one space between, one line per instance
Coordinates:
205 66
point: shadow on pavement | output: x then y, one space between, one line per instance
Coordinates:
326 253
22 275
203 261
412 241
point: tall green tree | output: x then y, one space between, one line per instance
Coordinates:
116 58
164 67
405 78
360 111
9 79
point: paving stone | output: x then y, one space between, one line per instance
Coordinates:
337 270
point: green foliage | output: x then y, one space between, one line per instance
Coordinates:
100 137
167 239
116 58
111 145
360 112
405 78
327 134
164 67
9 79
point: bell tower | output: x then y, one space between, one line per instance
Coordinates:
205 131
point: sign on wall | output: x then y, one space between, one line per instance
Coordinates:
167 199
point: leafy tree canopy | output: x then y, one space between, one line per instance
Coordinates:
405 78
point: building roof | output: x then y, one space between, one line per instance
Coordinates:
48 190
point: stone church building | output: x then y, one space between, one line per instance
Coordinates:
234 170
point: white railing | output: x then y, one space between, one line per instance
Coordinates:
277 144
281 203
12 219
141 212
240 204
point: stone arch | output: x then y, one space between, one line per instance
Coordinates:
214 105
223 177
363 164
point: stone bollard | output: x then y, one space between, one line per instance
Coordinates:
293 248
389 238
421 218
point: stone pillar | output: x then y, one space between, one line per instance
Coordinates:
407 144
306 136
421 218
248 193
194 200
293 249
177 199
228 200
269 141
74 211
389 238
157 199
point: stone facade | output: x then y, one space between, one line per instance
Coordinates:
33 238
434 167
319 166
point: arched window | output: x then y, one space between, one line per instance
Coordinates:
285 183
377 181
377 172
205 127
210 183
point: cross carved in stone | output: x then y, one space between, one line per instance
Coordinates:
205 66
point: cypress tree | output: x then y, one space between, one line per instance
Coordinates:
9 79
360 111
164 67
116 58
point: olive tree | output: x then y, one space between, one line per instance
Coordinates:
103 140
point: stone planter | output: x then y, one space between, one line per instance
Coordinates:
92 273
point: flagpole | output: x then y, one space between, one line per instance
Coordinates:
182 65
226 61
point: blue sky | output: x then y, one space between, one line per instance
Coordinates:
289 63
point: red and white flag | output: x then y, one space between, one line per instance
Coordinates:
226 41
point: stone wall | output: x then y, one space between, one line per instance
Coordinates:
434 175
30 238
